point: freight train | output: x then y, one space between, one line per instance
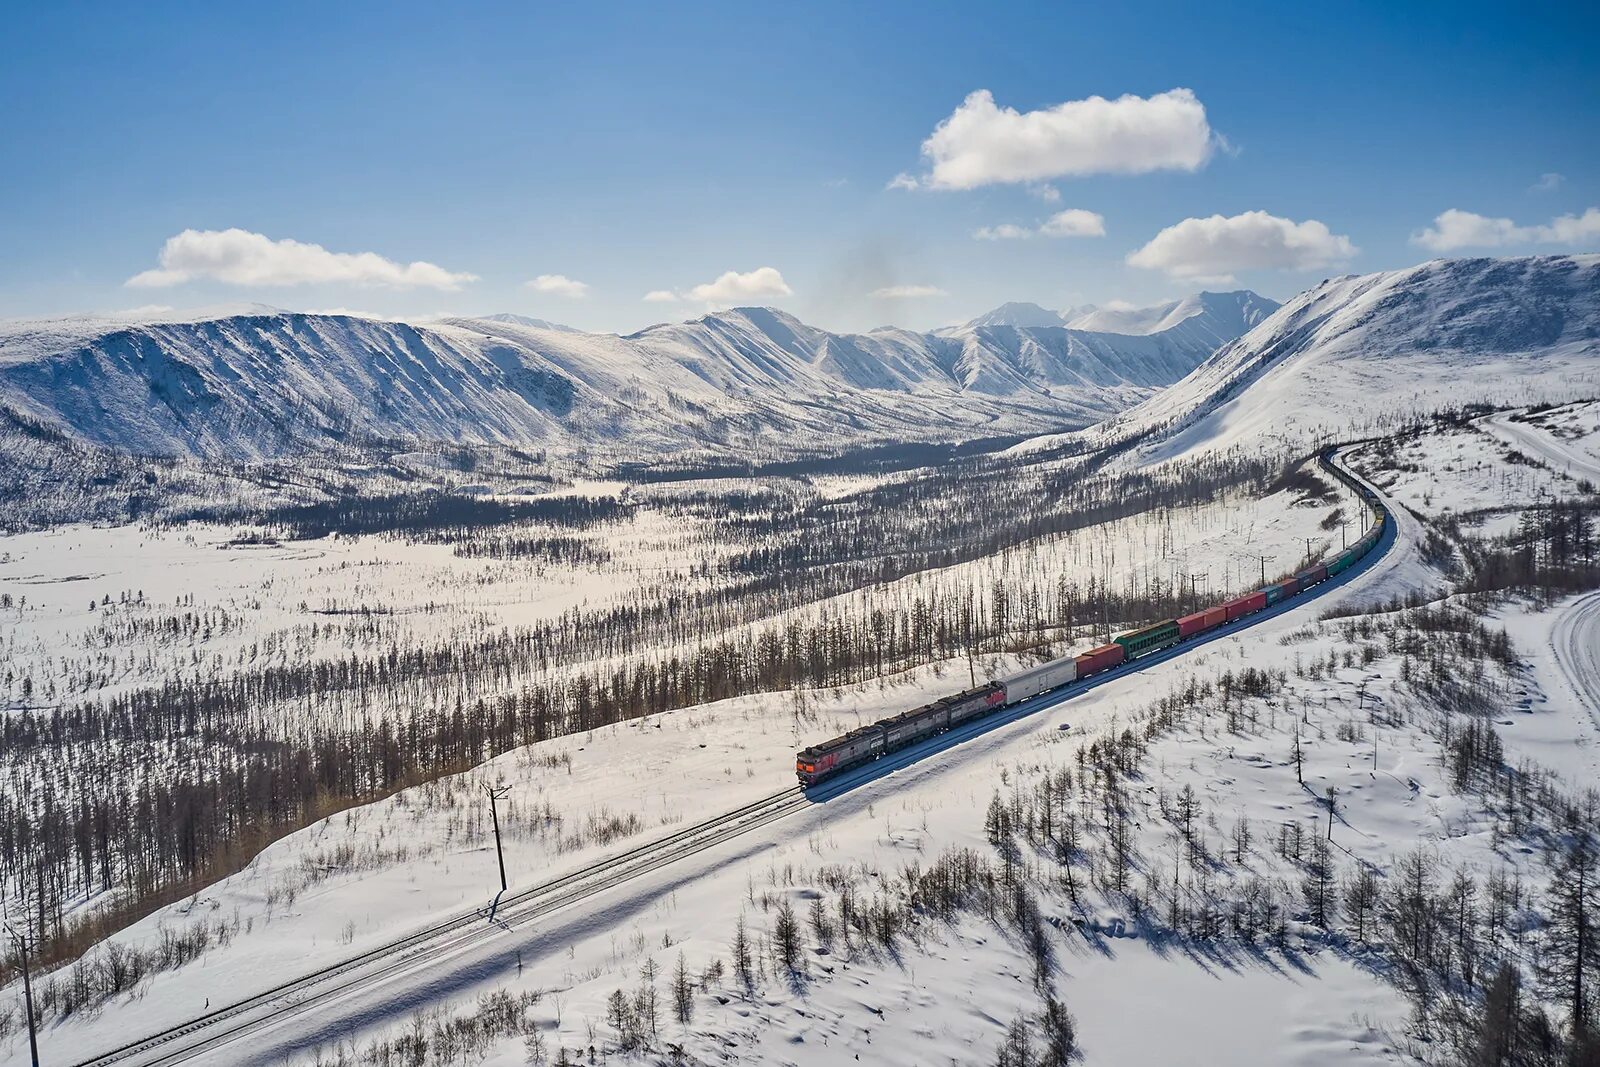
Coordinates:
867 743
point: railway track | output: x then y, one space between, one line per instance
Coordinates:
442 941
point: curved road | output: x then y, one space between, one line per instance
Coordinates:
1555 453
1575 641
428 965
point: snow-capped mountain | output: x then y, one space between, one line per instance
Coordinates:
528 320
271 383
1213 318
1017 313
1358 354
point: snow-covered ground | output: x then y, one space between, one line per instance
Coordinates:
370 874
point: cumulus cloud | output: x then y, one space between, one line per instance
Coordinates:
1006 231
902 181
1212 249
907 292
1455 229
1548 182
660 296
559 285
239 257
1073 222
1048 193
983 144
735 288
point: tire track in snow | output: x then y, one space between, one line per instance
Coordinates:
1575 640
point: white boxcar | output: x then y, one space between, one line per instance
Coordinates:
1046 676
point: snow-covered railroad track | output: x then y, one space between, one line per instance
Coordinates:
442 940
458 936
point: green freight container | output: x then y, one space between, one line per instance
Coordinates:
1149 639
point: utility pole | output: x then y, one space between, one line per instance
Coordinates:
1194 594
1263 560
496 794
1344 524
1330 812
1308 541
21 942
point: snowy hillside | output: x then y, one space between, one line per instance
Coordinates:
1356 354
268 384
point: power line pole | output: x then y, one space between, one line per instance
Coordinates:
1263 560
1308 548
21 942
496 794
1194 594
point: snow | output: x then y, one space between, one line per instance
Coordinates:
269 384
1369 354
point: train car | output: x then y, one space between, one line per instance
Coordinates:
975 702
1099 659
1149 639
1041 679
1201 621
842 752
1242 606
1277 591
1312 575
912 726
1341 563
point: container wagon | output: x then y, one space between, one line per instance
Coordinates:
1041 679
1244 605
1201 621
1099 659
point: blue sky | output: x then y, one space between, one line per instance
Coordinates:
657 148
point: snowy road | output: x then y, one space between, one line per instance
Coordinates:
1576 644
1551 450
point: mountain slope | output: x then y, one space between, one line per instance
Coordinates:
1215 318
1358 354
270 384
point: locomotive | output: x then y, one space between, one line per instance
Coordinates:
867 743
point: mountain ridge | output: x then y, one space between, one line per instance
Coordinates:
269 384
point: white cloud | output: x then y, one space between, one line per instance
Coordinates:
1048 193
1212 249
1006 231
660 296
239 257
560 285
1455 229
907 292
982 144
1548 182
902 181
1074 222
735 288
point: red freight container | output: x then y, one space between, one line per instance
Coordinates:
1202 620
1246 604
1098 659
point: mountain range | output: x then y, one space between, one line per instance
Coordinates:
1368 354
263 384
